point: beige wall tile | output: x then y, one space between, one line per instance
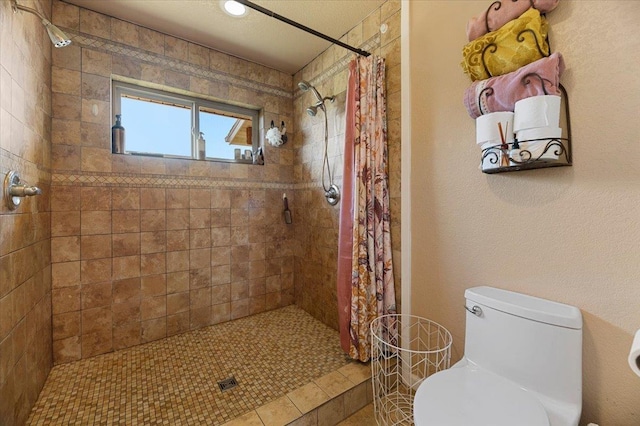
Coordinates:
95 246
126 221
65 81
178 323
126 335
95 23
65 274
220 313
95 159
154 329
97 343
65 132
66 325
94 62
96 87
200 317
95 270
126 290
126 312
124 32
178 240
66 157
64 249
126 267
154 285
65 299
66 350
96 135
96 295
177 282
153 307
176 48
95 222
150 40
176 303
152 220
65 223
125 244
69 57
126 198
151 264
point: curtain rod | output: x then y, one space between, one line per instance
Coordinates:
268 12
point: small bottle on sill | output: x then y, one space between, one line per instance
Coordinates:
117 136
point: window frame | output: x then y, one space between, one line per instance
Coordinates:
195 104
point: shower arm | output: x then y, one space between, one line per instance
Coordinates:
298 25
17 7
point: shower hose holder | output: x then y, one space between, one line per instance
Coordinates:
332 194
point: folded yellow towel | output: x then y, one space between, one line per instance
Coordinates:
516 44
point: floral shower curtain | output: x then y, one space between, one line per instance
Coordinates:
365 270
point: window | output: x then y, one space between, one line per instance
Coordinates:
169 125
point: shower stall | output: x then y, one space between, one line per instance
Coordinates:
132 251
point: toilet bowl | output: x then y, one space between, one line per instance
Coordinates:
522 366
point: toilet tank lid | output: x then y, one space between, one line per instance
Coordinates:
525 306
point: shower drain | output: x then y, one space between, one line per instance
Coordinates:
227 384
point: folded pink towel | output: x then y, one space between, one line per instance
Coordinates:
501 93
499 13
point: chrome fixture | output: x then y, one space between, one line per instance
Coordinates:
58 38
305 86
14 190
331 191
475 310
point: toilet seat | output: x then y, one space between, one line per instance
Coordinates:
469 395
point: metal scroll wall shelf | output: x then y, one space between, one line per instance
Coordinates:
556 151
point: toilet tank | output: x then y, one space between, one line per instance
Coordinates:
533 342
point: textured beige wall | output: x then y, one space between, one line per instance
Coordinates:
567 234
315 220
25 258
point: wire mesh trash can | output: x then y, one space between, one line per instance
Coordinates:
405 350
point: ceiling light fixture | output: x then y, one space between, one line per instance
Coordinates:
58 38
233 8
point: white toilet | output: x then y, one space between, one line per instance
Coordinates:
522 366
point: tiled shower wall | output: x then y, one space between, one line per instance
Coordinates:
144 248
318 222
25 266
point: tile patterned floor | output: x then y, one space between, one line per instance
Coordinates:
174 381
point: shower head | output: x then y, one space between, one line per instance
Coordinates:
58 38
306 86
312 111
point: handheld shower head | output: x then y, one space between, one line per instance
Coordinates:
312 111
306 86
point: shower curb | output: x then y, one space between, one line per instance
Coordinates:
334 397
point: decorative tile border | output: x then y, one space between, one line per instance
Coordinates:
168 181
162 181
108 46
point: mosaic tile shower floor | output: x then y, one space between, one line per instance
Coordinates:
174 381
